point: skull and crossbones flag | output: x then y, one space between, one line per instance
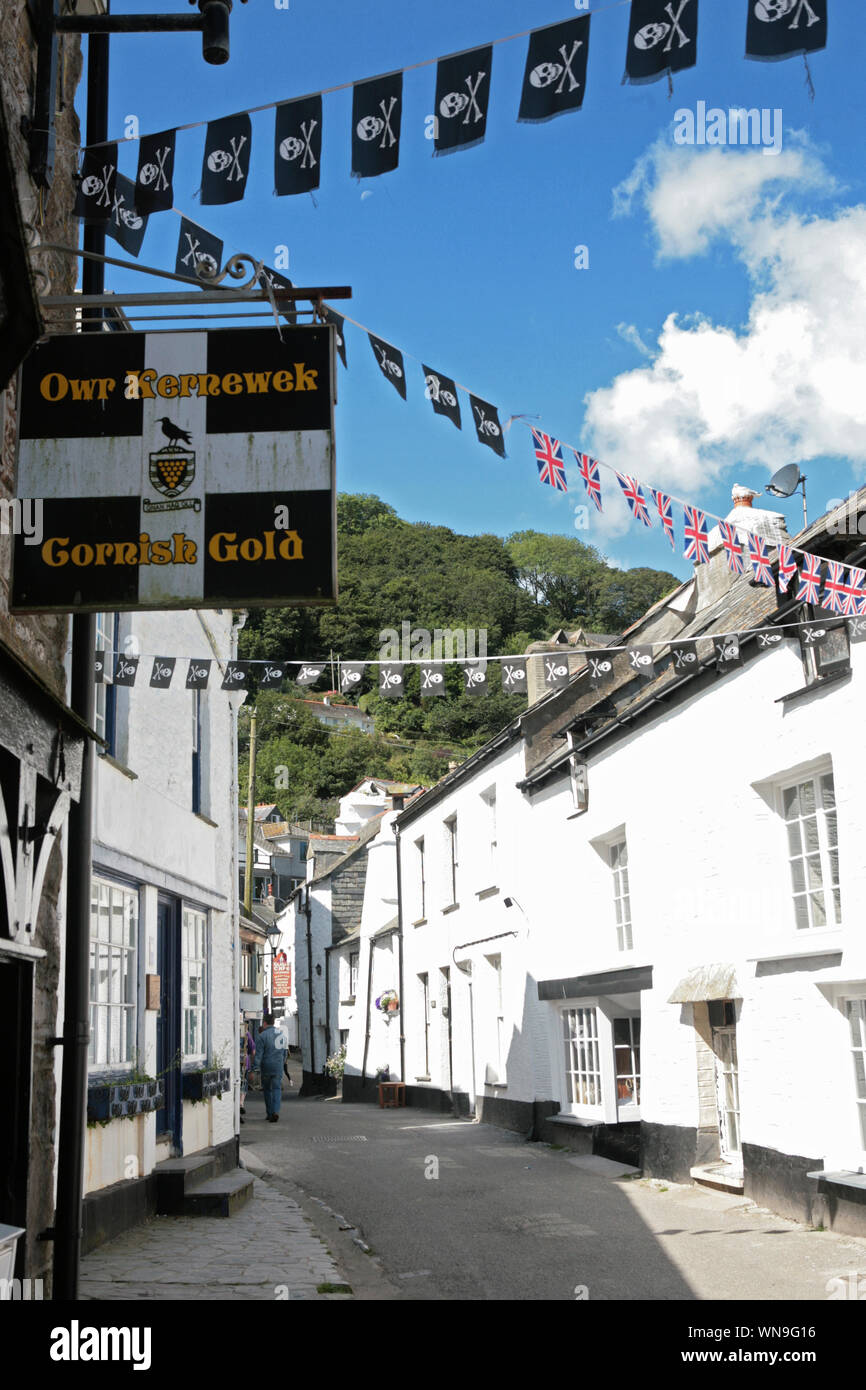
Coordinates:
377 106
272 675
432 679
555 77
126 225
196 247
441 392
857 629
99 666
197 673
600 667
641 661
514 676
226 161
308 673
391 682
390 363
153 181
782 28
298 146
462 94
330 316
487 425
728 653
96 183
274 280
556 672
684 657
351 675
475 677
162 671
662 37
125 670
236 676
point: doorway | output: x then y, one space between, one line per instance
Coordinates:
724 1031
168 1048
446 1010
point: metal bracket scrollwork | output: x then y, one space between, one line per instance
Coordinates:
235 267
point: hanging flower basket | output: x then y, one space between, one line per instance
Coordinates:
388 1002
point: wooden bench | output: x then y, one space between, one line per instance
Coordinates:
392 1094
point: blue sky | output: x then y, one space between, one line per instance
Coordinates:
718 332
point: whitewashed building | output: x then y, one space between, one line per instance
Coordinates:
631 922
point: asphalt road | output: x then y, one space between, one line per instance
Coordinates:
453 1210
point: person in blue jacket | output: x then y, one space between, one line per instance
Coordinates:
270 1051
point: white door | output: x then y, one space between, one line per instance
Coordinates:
728 1094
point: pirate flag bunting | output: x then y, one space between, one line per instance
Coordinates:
487 425
309 674
781 28
377 106
727 650
298 146
196 247
441 392
600 667
272 674
99 666
390 361
641 662
162 672
331 316
514 677
391 683
276 281
768 637
197 673
236 676
96 184
432 679
662 37
126 225
857 629
475 677
555 76
556 672
125 670
153 181
462 94
351 675
226 161
814 634
684 657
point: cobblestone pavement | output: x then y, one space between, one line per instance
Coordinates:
267 1250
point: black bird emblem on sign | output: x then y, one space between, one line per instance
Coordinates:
173 432
172 468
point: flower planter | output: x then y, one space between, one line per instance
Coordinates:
204 1085
123 1098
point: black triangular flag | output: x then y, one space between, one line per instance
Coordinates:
662 37
462 94
126 224
226 162
768 637
781 28
600 667
308 674
236 676
475 677
728 651
814 634
330 316
277 281
857 629
351 675
298 146
487 425
641 661
555 77
391 682
441 392
556 672
96 183
153 182
272 674
197 247
390 361
684 657
197 673
99 666
514 676
432 679
125 670
377 107
162 672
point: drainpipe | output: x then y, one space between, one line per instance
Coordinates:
308 914
327 1002
367 1033
400 947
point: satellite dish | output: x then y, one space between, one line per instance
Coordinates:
786 481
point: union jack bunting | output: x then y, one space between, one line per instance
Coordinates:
855 593
635 498
588 470
760 561
810 579
697 536
733 547
834 588
664 507
551 465
787 567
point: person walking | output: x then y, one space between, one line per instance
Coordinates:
270 1048
248 1052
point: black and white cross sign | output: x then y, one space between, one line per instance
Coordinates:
197 249
487 426
153 181
462 94
441 392
391 681
197 673
96 183
162 671
554 80
781 28
236 676
662 37
126 225
514 676
298 146
377 107
641 662
390 362
226 162
432 679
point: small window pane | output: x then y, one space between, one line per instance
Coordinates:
819 915
828 795
791 801
801 913
807 798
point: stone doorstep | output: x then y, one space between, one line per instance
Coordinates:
720 1176
220 1196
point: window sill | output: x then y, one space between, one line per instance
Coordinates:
496 1085
121 767
199 815
421 922
843 1178
824 944
815 685
344 1002
422 1078
487 892
452 907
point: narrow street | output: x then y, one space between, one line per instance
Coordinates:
509 1220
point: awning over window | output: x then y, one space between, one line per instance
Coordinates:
706 982
608 982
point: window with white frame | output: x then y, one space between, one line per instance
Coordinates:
618 859
194 984
354 957
451 857
249 968
488 846
424 988
582 1058
113 974
856 1012
106 694
422 878
495 963
626 1053
196 752
809 811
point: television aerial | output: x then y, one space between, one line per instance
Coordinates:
785 483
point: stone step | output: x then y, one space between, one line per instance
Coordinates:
221 1196
176 1177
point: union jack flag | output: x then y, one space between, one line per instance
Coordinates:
855 593
787 567
635 498
760 561
697 536
666 515
551 465
810 579
733 547
834 588
588 470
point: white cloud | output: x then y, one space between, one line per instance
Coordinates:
789 384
